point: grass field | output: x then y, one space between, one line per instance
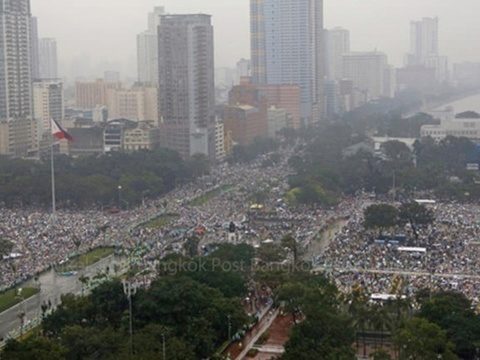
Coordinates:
85 260
161 221
9 298
205 198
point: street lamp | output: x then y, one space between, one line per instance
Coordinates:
119 196
130 289
229 327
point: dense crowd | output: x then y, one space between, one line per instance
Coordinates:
443 255
227 195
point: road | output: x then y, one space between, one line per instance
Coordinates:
52 287
396 272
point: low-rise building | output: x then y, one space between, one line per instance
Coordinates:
143 137
463 125
278 119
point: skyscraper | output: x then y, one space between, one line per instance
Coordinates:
15 69
186 83
423 41
337 43
287 43
48 58
147 49
34 48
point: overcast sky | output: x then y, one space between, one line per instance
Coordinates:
100 34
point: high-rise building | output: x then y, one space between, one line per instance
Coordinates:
147 49
186 83
287 40
424 49
337 43
423 41
15 68
48 58
34 48
367 71
48 103
244 69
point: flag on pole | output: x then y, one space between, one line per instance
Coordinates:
58 132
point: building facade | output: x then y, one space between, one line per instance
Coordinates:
48 58
137 104
367 71
337 43
90 94
423 41
48 103
244 123
15 69
186 83
147 49
34 52
287 47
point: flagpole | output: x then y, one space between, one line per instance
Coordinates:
52 169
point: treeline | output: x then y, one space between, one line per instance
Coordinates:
339 161
95 180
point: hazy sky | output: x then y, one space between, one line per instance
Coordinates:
104 30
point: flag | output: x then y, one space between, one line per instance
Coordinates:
58 132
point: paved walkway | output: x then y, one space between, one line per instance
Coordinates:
261 327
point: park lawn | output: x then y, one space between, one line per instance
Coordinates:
205 198
84 260
9 298
161 221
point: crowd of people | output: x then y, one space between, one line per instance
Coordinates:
443 255
232 193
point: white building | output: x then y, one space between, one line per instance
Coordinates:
48 58
277 120
147 49
451 126
423 41
48 103
244 69
367 71
337 43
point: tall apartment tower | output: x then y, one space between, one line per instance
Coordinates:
287 45
15 69
186 83
423 41
48 103
147 49
34 48
337 43
48 58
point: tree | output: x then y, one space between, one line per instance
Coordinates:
191 246
453 312
415 214
34 348
6 247
419 339
325 335
380 216
290 243
269 253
